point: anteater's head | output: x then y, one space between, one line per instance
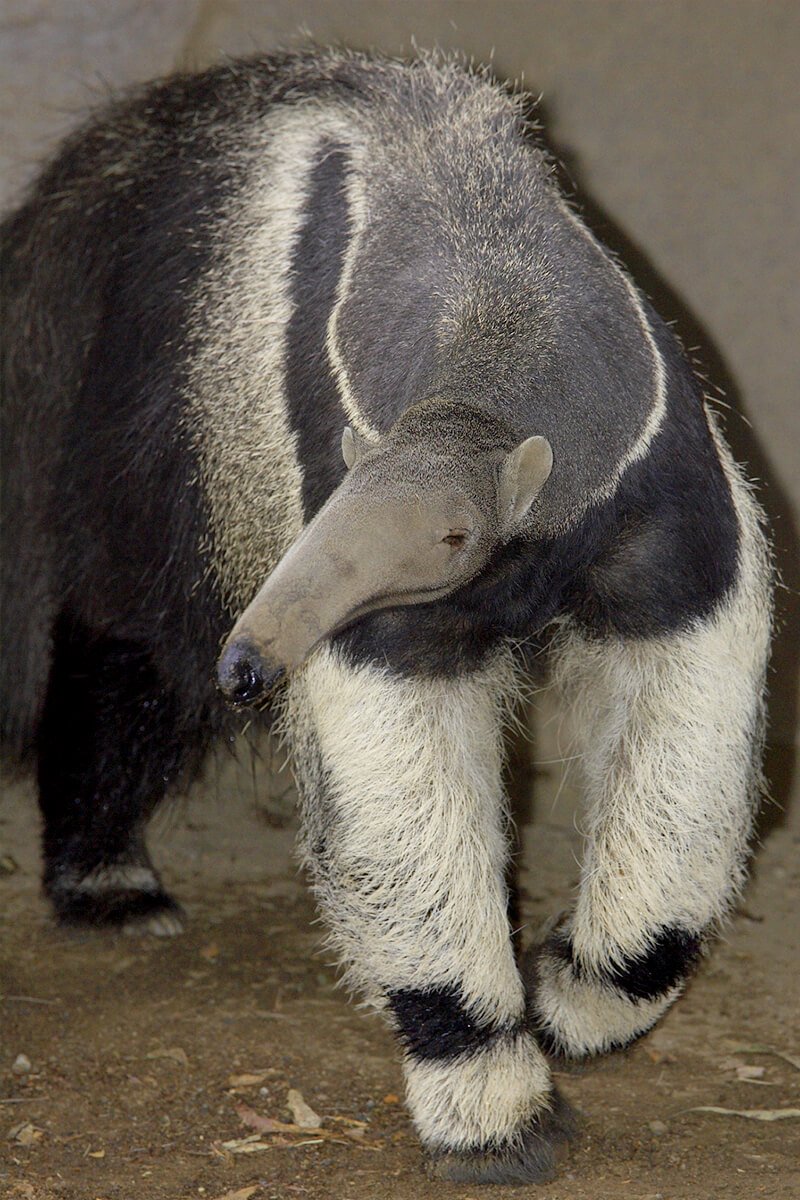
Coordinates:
418 514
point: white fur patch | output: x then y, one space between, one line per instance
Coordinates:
670 731
414 822
247 449
586 1017
489 1096
117 878
357 206
160 924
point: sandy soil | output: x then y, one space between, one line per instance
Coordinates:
144 1055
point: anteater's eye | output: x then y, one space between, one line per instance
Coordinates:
456 537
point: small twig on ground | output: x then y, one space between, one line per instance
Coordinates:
30 999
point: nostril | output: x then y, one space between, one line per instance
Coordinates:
240 674
245 677
247 683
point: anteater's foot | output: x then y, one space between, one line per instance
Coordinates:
531 1157
126 896
577 1013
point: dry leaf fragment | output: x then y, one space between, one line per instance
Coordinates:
251 1078
792 1059
303 1114
248 1116
241 1193
95 1154
752 1114
356 1134
175 1053
25 1134
218 1149
659 1056
748 1074
269 1125
248 1145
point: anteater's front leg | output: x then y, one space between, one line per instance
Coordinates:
670 732
405 836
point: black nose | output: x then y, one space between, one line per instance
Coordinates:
248 683
244 677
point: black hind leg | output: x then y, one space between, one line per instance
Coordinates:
112 740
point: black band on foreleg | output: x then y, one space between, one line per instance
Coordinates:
671 956
578 1011
434 1023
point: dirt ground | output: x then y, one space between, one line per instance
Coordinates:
145 1058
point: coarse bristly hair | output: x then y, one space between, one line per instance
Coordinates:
211 279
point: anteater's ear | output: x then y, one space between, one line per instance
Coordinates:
523 474
351 451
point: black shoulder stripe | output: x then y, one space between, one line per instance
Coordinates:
315 412
673 550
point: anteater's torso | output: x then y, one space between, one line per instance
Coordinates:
226 269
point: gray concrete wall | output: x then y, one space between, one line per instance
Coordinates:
678 119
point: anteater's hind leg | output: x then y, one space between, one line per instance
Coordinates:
111 741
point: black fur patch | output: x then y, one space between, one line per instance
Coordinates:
672 955
110 743
434 1024
532 1157
75 907
673 550
312 397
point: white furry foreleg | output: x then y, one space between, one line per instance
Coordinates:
670 734
405 835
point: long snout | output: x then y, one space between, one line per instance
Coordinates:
325 578
362 552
